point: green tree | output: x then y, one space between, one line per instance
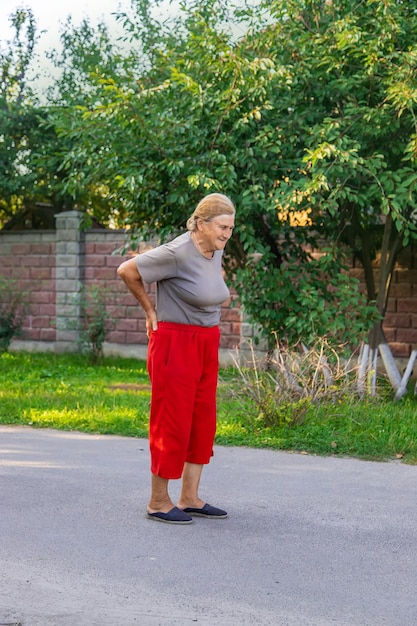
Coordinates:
207 111
34 156
87 62
354 93
17 114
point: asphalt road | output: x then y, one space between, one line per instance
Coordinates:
308 541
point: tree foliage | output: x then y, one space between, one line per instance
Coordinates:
87 63
29 147
35 152
17 117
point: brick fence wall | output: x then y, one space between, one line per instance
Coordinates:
52 266
29 258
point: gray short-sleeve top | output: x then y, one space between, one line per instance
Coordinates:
189 287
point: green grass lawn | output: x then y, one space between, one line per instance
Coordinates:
65 392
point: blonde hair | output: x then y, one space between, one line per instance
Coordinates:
211 206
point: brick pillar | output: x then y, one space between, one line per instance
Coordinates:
69 278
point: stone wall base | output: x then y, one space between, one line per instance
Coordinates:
110 349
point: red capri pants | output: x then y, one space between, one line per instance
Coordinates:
183 365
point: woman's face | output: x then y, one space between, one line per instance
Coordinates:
216 234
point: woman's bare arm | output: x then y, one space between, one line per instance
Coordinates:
130 275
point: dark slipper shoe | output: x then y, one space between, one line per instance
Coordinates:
174 516
206 511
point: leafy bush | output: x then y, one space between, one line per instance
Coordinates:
318 298
13 310
95 321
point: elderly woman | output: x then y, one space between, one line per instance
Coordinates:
184 335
